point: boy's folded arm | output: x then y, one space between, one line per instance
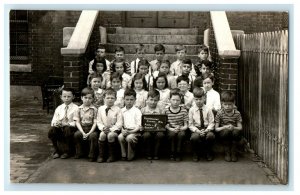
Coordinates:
239 126
79 127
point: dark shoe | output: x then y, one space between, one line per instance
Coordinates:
55 155
77 156
233 151
178 158
227 157
92 159
209 157
234 157
110 159
111 152
64 156
172 157
195 157
124 159
149 158
156 158
100 159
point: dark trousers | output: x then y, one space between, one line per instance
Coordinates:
176 140
230 136
202 144
152 142
91 143
62 138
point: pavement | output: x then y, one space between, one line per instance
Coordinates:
31 162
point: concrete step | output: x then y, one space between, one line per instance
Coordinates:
154 31
154 39
149 48
150 57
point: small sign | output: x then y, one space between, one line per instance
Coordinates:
152 122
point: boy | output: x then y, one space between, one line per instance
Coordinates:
229 126
99 53
176 67
86 123
186 71
177 124
212 97
187 97
159 51
96 80
109 122
62 125
120 57
140 54
205 66
132 118
152 139
201 124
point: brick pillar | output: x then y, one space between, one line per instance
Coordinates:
75 71
228 75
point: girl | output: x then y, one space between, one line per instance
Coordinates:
99 66
143 68
96 80
165 68
116 80
161 84
140 86
120 67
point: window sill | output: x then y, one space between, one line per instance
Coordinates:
20 68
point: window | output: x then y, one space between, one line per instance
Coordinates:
18 36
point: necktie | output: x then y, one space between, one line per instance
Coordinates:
106 110
201 118
66 114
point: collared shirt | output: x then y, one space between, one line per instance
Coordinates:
154 65
147 110
60 112
99 99
132 118
194 118
176 68
125 80
141 98
86 115
134 66
92 62
120 98
164 99
113 119
188 99
213 100
225 119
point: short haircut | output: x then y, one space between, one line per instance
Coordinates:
116 75
143 62
182 78
68 90
139 47
227 96
179 48
101 46
208 75
119 49
166 62
110 91
159 47
164 76
95 75
199 64
99 60
154 93
198 92
203 48
130 92
198 82
113 66
86 91
139 76
175 92
187 61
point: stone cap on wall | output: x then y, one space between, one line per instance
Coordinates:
82 33
224 40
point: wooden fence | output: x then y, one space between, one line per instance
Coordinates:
263 96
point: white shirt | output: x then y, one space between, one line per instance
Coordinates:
132 118
141 98
60 111
134 66
213 100
113 119
120 98
195 121
125 80
164 99
188 99
154 65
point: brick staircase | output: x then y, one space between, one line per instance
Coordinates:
128 38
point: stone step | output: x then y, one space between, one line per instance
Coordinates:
154 39
149 48
150 57
154 31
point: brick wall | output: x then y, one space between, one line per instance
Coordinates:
112 18
45 39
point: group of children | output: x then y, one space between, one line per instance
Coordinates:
119 93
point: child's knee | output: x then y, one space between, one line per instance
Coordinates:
102 136
112 136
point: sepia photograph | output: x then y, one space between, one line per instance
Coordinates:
149 97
